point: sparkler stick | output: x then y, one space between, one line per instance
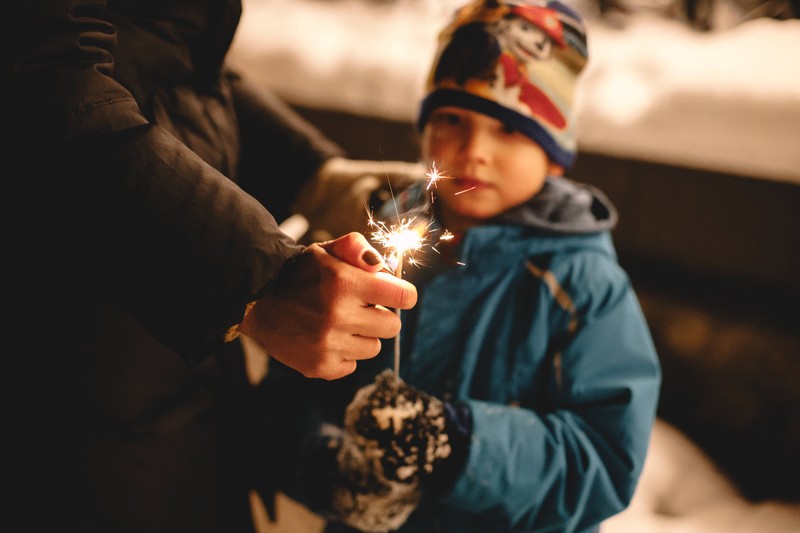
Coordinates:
399 273
401 240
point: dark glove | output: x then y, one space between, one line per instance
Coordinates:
399 426
395 439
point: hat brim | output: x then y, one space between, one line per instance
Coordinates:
525 125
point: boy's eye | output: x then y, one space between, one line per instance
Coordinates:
447 119
509 129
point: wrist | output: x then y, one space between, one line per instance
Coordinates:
236 330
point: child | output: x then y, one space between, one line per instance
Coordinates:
529 377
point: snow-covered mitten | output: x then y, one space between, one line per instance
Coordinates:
395 438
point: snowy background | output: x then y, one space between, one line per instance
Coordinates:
655 89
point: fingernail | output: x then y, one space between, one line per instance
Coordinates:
371 258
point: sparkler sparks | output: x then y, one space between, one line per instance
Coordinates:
433 176
402 240
406 237
446 236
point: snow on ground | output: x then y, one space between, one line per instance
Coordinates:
654 89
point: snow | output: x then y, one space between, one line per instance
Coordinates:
727 100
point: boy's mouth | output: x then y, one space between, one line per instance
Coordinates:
467 183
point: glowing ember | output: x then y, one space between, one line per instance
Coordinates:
433 176
446 236
398 240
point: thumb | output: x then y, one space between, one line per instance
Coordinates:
353 248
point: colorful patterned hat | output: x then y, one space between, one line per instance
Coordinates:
516 61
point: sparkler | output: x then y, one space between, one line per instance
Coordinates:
433 176
406 237
402 240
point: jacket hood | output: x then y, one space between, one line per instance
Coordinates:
564 215
564 207
561 207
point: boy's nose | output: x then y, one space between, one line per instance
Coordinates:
475 143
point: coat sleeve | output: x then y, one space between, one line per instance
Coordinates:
573 460
294 431
121 204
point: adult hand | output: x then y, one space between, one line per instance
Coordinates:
329 308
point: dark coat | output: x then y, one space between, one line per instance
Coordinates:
132 251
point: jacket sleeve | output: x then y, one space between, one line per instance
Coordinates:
574 459
294 431
123 205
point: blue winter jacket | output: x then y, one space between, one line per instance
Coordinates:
532 324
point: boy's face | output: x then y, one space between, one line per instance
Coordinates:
489 168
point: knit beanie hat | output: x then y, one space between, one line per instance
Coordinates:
516 61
